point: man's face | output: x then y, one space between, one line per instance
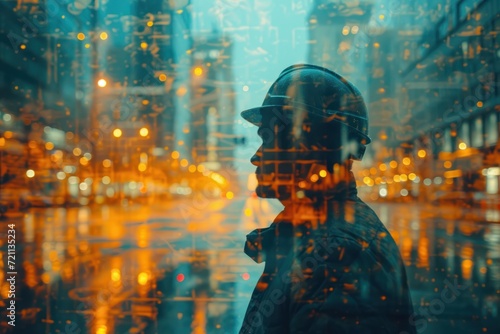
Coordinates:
274 165
265 172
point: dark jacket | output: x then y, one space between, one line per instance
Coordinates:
337 273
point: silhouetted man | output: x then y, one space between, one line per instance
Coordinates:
330 264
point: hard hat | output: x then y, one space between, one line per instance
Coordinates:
325 96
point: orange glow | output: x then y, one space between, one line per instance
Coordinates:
406 249
102 83
229 195
80 36
162 77
423 252
421 153
144 132
198 71
184 163
46 278
175 155
117 133
181 91
467 268
103 36
143 278
115 275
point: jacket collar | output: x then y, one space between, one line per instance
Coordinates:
278 237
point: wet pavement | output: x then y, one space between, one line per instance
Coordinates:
178 266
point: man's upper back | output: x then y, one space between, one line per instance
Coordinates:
343 272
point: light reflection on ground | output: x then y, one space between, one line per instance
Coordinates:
162 269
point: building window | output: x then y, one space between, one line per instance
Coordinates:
465 134
447 146
491 129
477 132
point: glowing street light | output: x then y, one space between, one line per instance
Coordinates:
117 133
102 83
198 71
106 163
144 132
103 35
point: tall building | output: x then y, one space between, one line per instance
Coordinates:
88 68
450 97
212 101
23 70
337 37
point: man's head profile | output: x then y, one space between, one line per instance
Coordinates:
313 123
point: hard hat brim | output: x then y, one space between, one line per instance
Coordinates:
254 115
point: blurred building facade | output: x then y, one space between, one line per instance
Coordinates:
429 73
212 101
337 37
449 97
85 82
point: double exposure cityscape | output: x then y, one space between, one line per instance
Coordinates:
128 196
